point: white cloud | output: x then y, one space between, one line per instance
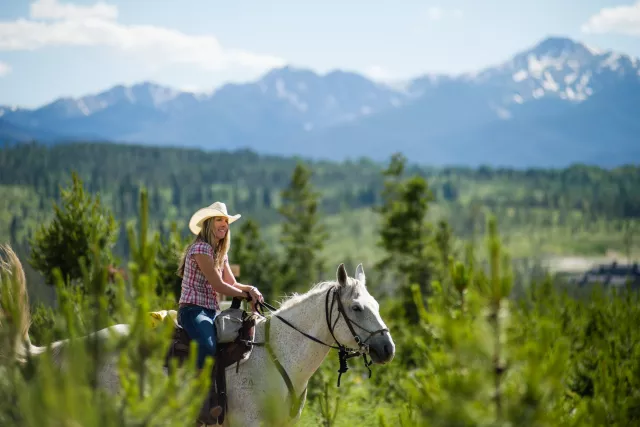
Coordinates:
4 69
377 72
436 13
52 23
52 9
617 19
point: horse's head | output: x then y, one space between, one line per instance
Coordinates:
360 324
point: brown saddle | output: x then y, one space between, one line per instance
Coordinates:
226 355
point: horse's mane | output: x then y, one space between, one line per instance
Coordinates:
352 287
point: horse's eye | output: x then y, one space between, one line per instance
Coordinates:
356 308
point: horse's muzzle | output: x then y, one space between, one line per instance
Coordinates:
381 349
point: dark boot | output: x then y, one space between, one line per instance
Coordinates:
210 410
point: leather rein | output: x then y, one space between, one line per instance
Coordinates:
344 352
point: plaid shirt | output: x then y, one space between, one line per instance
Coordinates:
195 287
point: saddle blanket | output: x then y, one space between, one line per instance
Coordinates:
157 317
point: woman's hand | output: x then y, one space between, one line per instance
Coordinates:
255 294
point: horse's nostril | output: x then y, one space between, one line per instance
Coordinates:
387 351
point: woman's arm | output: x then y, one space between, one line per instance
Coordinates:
253 291
205 262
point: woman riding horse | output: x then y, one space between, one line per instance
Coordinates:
205 272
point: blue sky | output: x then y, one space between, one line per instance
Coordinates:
54 48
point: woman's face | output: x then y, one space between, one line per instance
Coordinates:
220 227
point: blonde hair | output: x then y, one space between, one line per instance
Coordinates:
207 235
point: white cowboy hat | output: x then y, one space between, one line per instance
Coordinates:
216 209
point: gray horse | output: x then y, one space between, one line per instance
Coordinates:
335 314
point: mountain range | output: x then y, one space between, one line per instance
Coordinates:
556 103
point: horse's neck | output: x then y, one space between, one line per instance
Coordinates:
35 350
23 347
57 347
299 355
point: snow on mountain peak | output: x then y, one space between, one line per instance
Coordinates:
144 94
147 93
555 68
558 67
291 96
327 98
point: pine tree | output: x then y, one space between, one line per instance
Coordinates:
170 246
258 262
65 242
13 230
302 235
444 243
406 237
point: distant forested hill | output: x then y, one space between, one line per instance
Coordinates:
182 180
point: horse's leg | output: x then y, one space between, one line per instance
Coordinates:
251 394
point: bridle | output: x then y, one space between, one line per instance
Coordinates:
344 353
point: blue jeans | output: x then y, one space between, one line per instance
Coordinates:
198 323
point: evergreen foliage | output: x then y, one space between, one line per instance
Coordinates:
473 346
258 261
39 392
170 246
579 209
303 235
406 236
64 242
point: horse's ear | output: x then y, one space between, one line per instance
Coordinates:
360 277
342 275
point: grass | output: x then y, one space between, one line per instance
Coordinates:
354 237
